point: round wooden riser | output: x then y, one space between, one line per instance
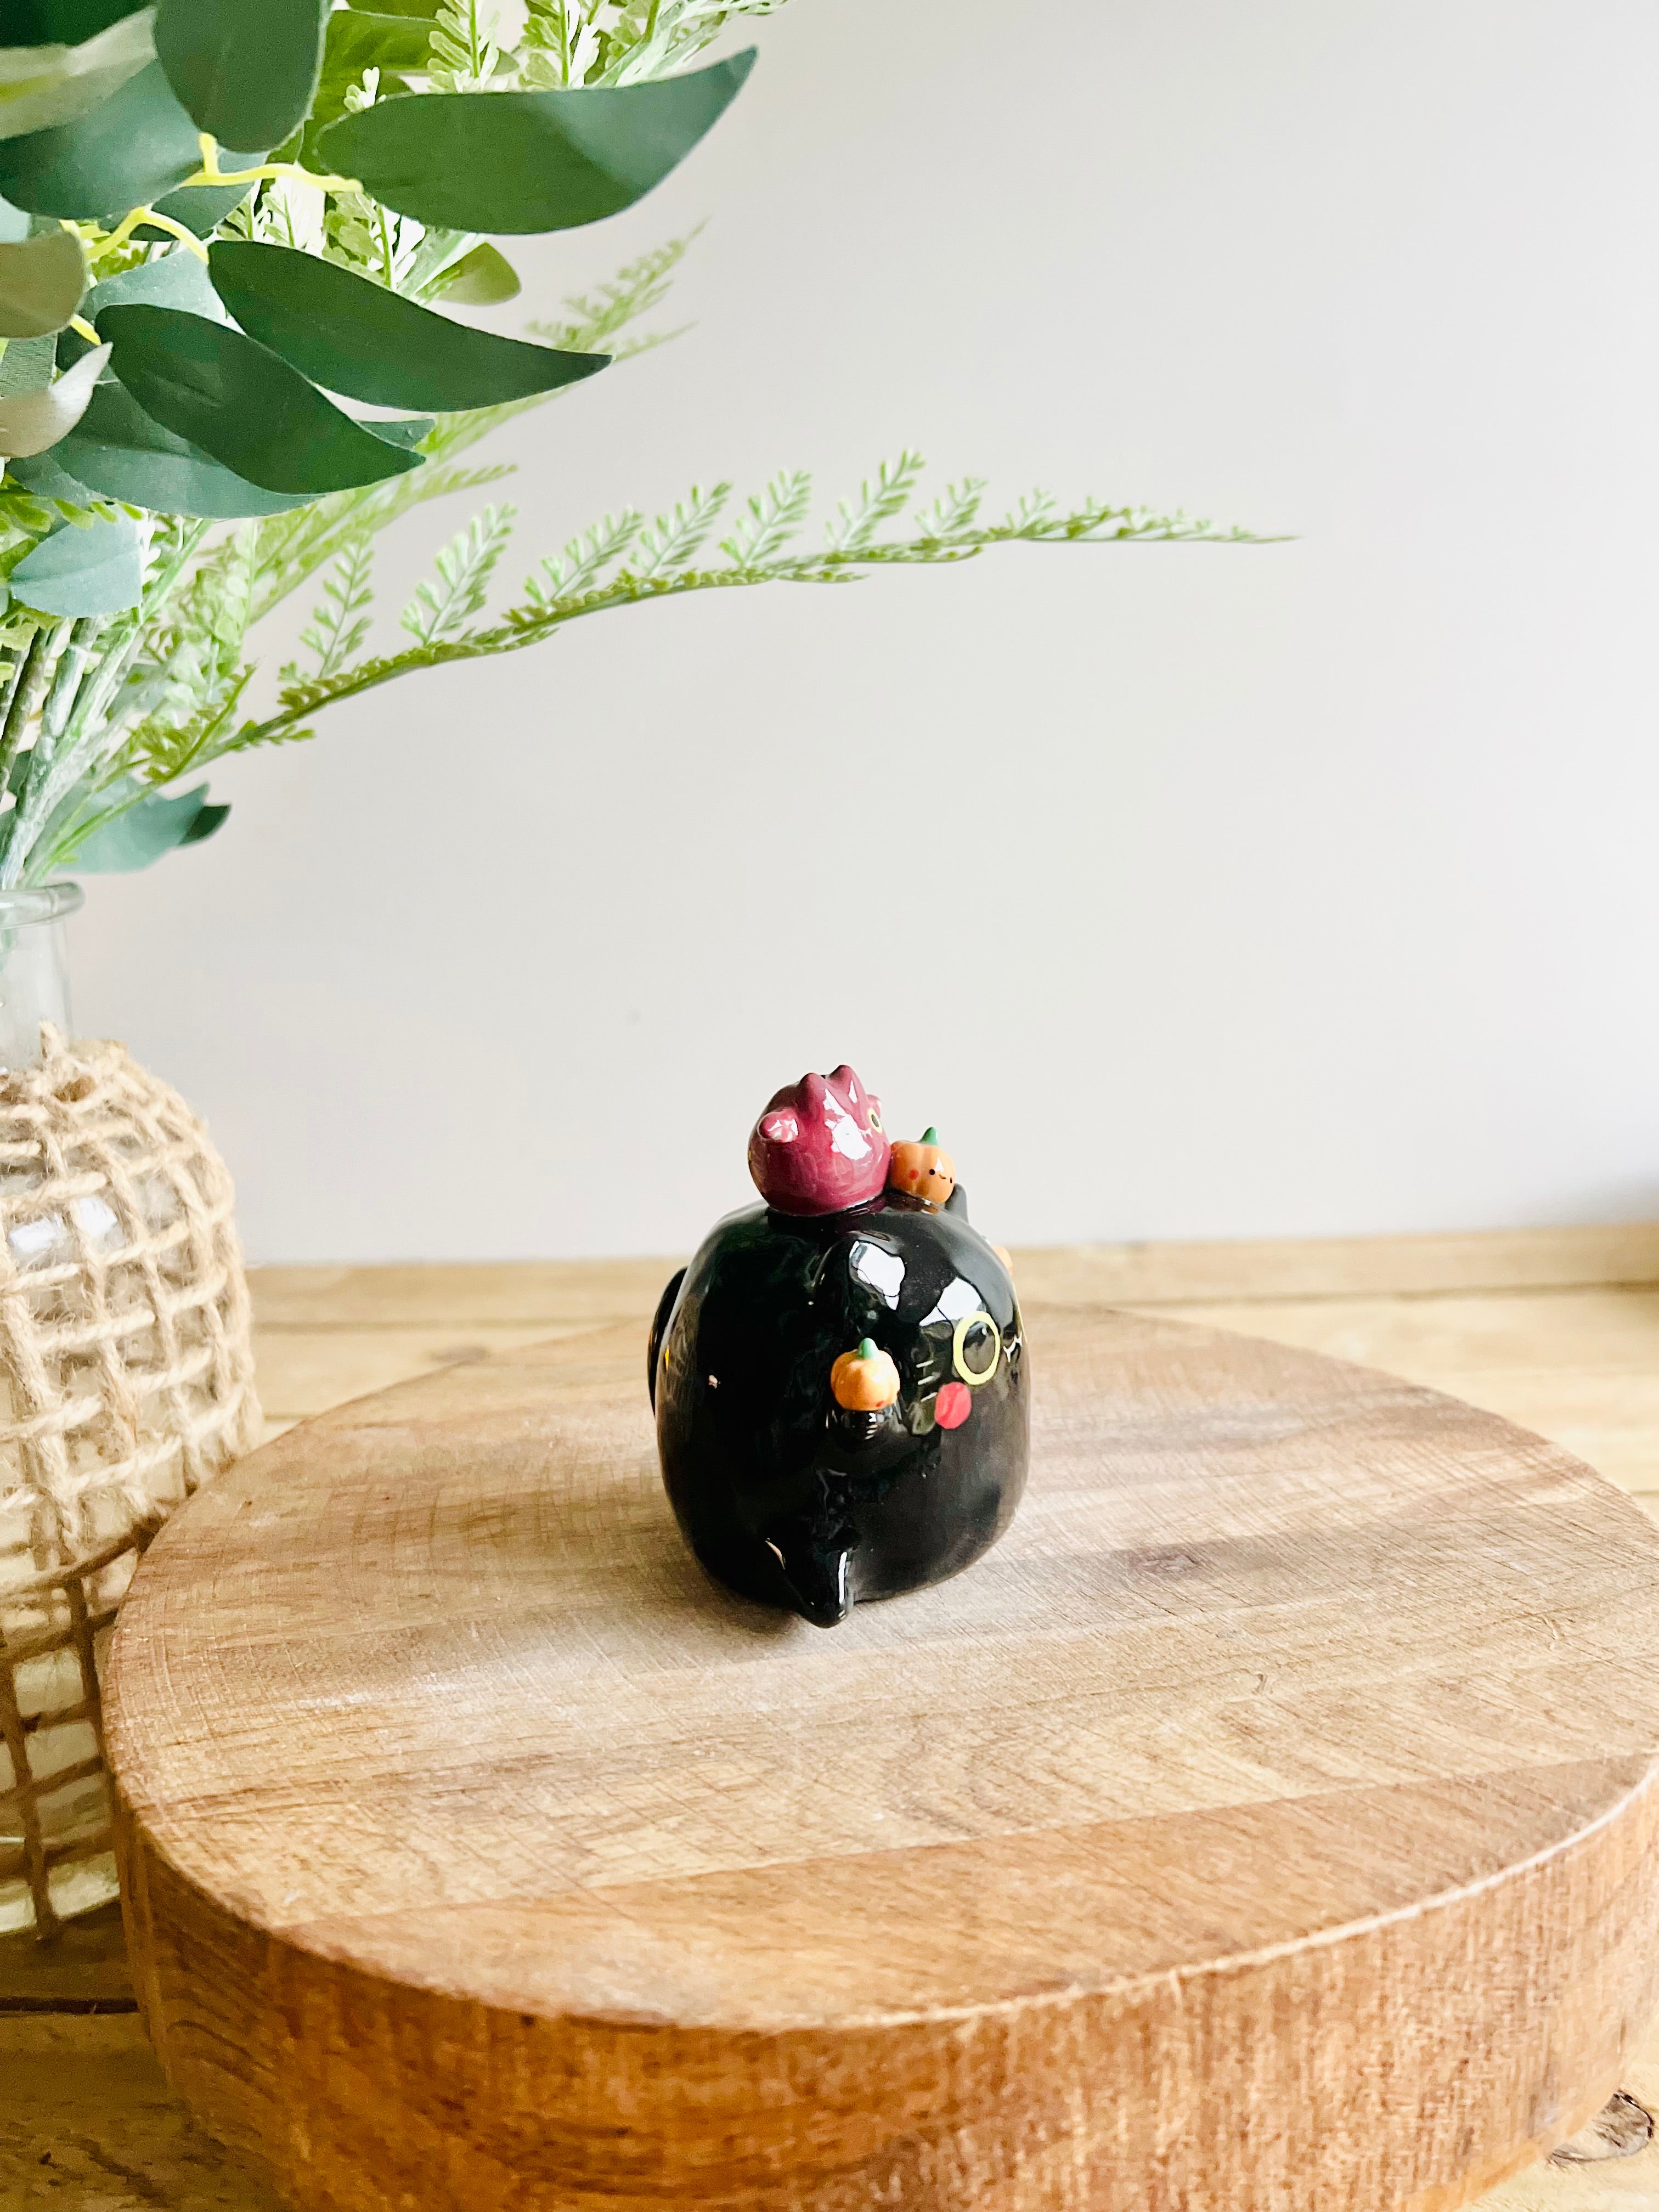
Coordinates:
1266 1824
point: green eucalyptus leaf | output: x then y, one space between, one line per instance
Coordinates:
229 396
138 145
117 452
358 40
179 279
482 278
27 364
143 832
529 160
35 420
44 475
246 70
354 336
96 568
425 10
61 22
42 86
41 283
404 430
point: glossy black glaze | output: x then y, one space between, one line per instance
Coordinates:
783 1495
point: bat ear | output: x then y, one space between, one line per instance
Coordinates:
842 1078
779 1129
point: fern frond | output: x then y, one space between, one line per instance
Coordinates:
561 44
771 520
160 753
591 317
655 39
956 508
573 592
672 539
460 56
1031 513
584 560
338 626
464 568
292 546
859 519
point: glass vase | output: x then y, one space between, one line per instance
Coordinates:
126 1380
34 969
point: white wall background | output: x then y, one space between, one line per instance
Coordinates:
1193 892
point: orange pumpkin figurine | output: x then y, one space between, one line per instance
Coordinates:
924 1170
865 1381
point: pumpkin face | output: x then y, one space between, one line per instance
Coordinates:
865 1381
922 1170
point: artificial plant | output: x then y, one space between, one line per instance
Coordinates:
194 339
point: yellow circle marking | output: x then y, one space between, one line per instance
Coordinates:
958 1343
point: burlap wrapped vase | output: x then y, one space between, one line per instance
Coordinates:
126 1380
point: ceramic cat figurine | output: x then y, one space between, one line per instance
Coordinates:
841 1379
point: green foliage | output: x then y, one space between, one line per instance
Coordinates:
36 419
117 451
132 828
857 520
174 472
621 562
125 153
244 70
52 82
462 57
41 281
340 625
771 520
464 568
530 160
175 280
243 404
355 337
330 272
94 570
482 278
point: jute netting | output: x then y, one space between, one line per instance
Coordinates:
126 1381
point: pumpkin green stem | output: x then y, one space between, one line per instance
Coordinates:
867 1348
930 1135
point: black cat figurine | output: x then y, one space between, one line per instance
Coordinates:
841 1381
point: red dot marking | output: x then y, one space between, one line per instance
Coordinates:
954 1404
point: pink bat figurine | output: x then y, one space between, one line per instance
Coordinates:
819 1147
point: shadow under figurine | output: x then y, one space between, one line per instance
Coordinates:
839 1377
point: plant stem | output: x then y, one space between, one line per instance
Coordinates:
13 678
44 654
15 718
71 666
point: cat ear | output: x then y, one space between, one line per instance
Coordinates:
844 1080
779 1129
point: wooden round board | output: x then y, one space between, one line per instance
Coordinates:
1266 1824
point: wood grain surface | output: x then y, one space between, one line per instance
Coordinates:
1265 1824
